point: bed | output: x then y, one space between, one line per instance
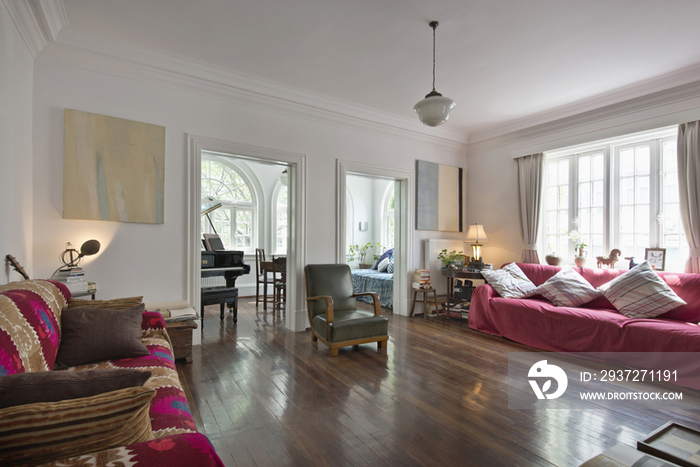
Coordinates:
371 280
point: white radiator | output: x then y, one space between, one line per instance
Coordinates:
216 281
431 248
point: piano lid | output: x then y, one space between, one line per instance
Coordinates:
209 207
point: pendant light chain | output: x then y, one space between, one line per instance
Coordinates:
434 25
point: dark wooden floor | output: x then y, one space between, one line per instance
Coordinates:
437 396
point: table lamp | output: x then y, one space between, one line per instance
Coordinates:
476 236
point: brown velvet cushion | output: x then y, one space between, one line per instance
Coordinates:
38 433
114 304
91 335
54 386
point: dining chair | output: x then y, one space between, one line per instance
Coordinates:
279 269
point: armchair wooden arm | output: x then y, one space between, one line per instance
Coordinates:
375 301
329 308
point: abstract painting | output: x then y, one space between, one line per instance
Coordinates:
440 197
113 169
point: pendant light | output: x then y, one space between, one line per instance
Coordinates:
434 110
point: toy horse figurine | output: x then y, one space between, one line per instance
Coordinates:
609 260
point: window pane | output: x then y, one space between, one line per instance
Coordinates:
598 194
563 197
669 156
627 219
584 220
670 182
641 214
642 160
626 190
584 195
584 168
563 172
642 190
597 221
598 167
627 162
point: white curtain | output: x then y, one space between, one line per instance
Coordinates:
688 151
530 170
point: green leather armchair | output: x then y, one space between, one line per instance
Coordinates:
332 309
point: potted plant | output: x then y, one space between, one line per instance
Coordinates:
448 258
363 253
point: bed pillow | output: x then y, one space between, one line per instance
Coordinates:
641 293
509 282
97 334
387 254
47 431
54 386
568 288
383 265
390 267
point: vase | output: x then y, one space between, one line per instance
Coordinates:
580 261
552 259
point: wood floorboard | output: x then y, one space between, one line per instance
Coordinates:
436 396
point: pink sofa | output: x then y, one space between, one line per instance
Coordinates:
596 326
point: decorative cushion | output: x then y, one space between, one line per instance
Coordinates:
54 386
98 334
568 288
509 282
390 267
47 431
386 254
641 293
30 312
114 304
383 265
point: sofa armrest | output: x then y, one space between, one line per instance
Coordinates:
485 292
152 320
185 450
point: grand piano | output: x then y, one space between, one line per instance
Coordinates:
229 264
218 262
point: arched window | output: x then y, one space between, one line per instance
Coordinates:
280 210
234 221
388 216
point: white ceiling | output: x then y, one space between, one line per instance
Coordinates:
500 60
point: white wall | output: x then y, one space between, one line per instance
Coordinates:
15 148
150 260
492 183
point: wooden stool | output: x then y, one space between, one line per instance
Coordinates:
425 301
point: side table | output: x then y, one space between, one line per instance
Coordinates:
425 293
180 333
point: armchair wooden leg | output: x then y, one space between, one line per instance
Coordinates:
381 344
313 337
333 352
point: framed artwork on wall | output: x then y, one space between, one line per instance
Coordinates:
113 169
656 257
439 197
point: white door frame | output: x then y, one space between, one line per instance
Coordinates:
296 253
403 217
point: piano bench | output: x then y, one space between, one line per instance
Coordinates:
222 296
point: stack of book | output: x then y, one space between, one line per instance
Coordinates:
74 278
421 279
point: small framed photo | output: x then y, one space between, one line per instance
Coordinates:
656 257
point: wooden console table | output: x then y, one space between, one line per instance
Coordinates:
451 275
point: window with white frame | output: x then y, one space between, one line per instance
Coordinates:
620 193
280 205
234 221
388 217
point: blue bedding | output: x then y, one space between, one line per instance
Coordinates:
369 280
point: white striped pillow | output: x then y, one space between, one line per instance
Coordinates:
568 288
641 293
509 282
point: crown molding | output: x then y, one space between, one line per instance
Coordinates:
38 21
655 104
156 67
671 88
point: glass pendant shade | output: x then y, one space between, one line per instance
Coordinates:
435 109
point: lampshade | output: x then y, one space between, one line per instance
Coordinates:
434 110
476 236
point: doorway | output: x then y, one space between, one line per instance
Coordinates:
402 181
295 318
